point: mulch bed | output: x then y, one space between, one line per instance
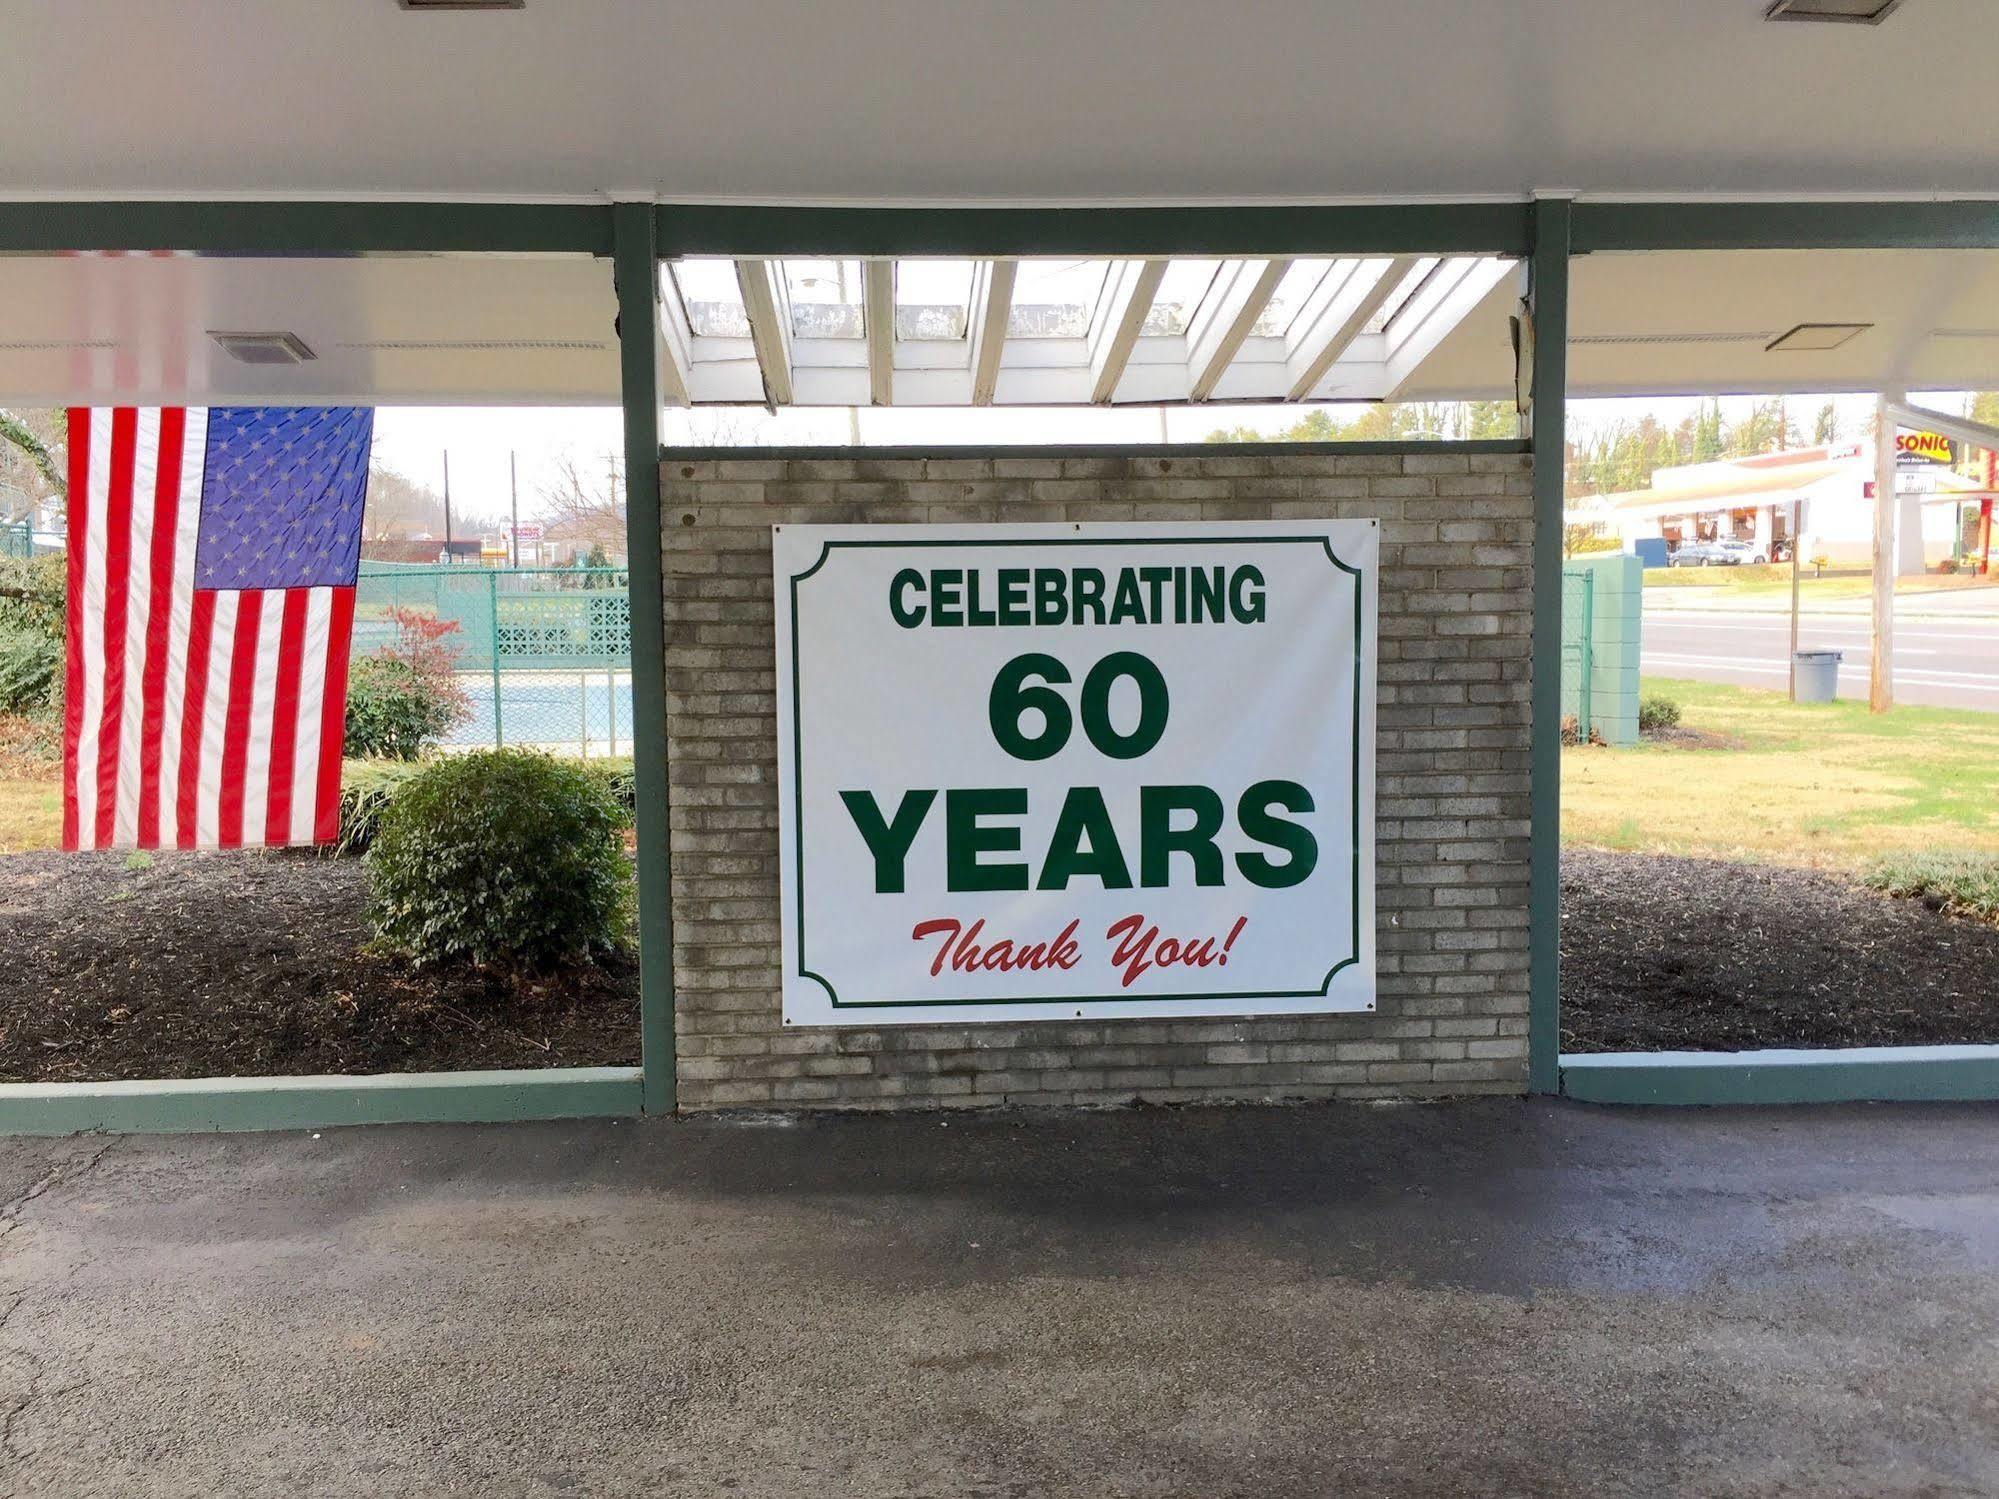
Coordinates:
1665 954
243 964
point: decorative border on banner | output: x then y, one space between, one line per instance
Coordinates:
826 550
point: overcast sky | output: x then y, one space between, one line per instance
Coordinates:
414 439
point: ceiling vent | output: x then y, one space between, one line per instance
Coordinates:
1833 12
463 4
1815 338
263 348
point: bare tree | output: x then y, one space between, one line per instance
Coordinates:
33 453
584 489
398 506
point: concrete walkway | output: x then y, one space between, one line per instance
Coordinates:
1495 1298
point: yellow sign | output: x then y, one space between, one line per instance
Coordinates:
1925 447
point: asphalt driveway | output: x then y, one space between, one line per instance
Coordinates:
1490 1298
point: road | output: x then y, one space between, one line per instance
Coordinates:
1938 664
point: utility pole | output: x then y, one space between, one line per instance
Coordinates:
447 504
514 506
1796 541
1881 667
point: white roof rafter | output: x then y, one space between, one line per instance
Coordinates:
1237 307
1130 304
880 317
1340 317
766 306
992 306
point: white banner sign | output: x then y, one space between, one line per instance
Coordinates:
1035 772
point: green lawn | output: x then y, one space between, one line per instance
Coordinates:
1816 784
30 806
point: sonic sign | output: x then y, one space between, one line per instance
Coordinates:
1075 771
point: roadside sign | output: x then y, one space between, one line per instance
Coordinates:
1071 771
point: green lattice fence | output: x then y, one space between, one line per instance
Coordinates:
544 653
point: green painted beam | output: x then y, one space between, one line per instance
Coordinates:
635 270
1373 229
1912 1074
1550 292
207 1104
306 228
1923 225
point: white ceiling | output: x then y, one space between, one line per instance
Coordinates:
1698 323
1027 100
390 331
471 330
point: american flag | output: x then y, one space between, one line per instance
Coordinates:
212 557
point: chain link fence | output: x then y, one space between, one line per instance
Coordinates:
543 653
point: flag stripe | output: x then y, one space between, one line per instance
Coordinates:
214 715
312 695
283 752
159 609
194 709
97 488
179 626
242 684
129 647
333 717
263 696
73 612
117 588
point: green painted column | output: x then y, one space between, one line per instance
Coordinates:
1550 300
636 272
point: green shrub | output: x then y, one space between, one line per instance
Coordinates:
31 668
32 594
1962 884
392 710
1656 713
406 696
500 856
619 781
32 591
366 788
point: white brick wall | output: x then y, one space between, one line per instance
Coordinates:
1451 781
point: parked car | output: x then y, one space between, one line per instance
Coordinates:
1726 553
1734 554
1690 554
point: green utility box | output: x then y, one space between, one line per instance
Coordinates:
1602 612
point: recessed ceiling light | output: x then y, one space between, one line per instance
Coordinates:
1816 337
474 4
1837 12
272 347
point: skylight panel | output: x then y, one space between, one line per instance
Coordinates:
1420 272
1056 298
712 298
1181 290
826 298
1297 284
933 299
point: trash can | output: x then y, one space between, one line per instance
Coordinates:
1817 675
